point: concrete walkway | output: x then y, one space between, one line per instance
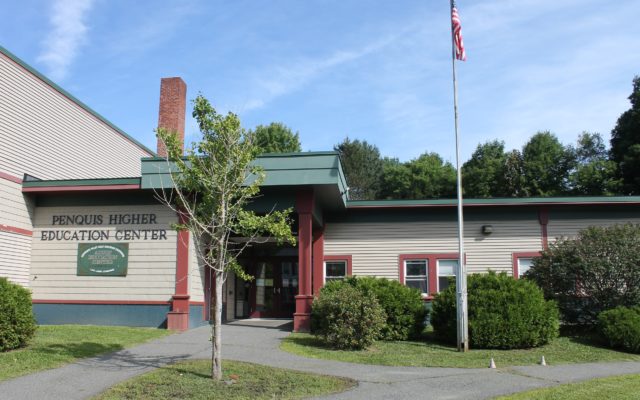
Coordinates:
258 341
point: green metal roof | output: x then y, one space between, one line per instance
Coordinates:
82 182
72 98
494 201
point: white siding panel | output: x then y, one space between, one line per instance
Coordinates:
15 208
14 257
375 247
196 274
151 268
45 134
569 227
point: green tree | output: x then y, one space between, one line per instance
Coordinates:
362 167
514 179
211 186
276 138
593 173
546 165
484 174
425 177
625 143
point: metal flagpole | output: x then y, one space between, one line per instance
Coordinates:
461 275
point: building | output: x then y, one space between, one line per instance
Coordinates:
81 226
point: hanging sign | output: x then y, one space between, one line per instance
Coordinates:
103 259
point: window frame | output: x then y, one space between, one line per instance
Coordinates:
457 260
347 259
432 269
518 255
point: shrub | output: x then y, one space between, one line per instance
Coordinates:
598 270
620 327
504 313
17 324
403 305
347 318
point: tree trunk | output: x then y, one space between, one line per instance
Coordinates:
216 339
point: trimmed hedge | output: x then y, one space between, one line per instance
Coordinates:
403 305
620 327
504 313
347 318
17 324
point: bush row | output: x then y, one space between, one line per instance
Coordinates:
17 324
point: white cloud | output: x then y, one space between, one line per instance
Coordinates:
284 79
68 33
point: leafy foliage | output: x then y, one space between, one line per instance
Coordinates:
504 313
275 138
620 327
546 165
594 173
625 143
347 318
212 185
425 177
484 174
17 324
596 271
403 305
362 167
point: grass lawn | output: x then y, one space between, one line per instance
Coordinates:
616 387
54 345
563 350
192 380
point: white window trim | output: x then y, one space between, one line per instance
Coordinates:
324 269
426 276
438 270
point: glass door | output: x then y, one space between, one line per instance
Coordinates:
265 290
288 288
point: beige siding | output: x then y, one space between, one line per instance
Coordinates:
376 247
196 274
45 134
566 227
151 268
15 208
14 257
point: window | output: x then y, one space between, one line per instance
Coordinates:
446 270
335 270
416 274
429 273
522 262
336 267
523 265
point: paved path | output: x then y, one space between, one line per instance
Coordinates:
258 341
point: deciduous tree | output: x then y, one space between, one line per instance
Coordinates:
625 143
212 184
484 174
362 167
276 138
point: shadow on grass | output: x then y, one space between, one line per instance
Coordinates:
79 350
308 341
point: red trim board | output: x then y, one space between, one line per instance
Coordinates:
4 175
13 229
114 302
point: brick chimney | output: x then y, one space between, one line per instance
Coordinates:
173 103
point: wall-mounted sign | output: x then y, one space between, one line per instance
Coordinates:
103 259
139 227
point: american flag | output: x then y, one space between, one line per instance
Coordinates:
456 27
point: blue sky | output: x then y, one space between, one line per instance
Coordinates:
373 70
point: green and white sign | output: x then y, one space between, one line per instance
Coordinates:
103 259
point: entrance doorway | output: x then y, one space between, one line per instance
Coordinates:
272 292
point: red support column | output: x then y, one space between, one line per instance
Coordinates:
178 317
318 260
302 316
